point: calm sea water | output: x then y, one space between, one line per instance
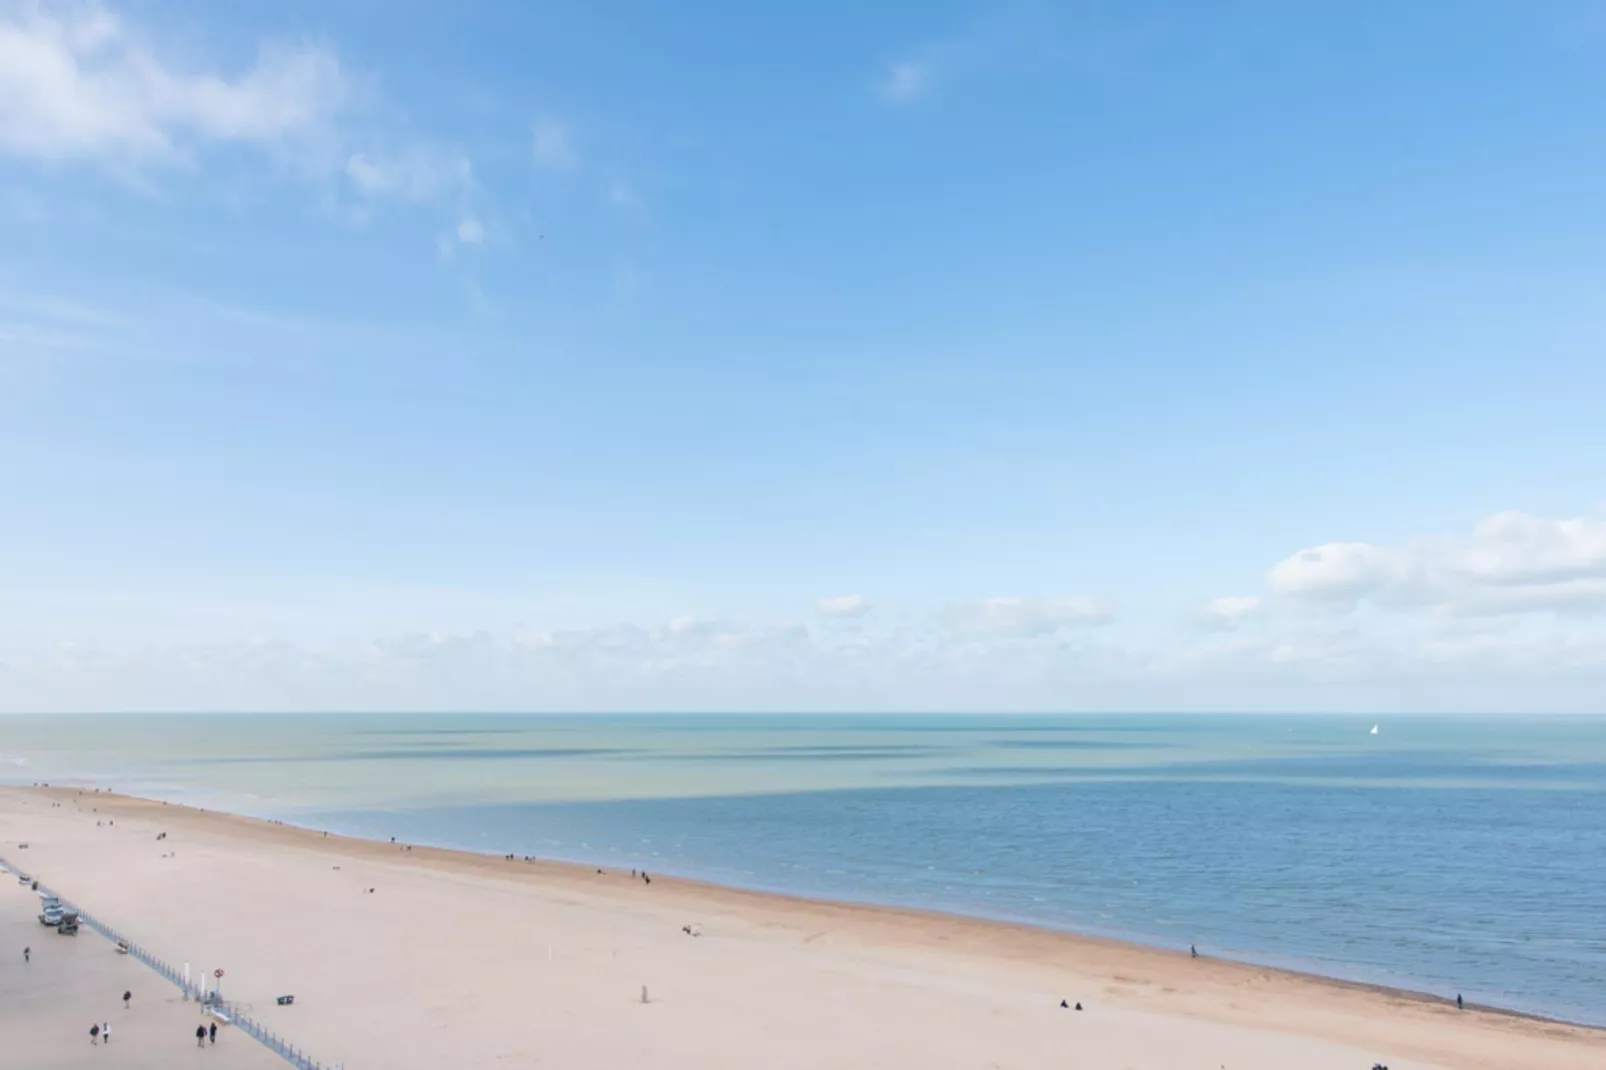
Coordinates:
1448 855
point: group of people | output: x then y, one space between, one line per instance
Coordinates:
101 1032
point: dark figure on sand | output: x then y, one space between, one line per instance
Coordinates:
1460 1004
200 1036
211 1032
94 1034
126 997
1193 951
27 954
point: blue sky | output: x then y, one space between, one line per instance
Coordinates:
733 356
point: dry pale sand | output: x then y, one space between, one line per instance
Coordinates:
462 960
48 1003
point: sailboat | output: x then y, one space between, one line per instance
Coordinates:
1374 730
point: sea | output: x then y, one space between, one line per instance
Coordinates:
1438 854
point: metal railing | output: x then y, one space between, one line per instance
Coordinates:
267 1037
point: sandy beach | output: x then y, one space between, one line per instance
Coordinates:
464 960
69 983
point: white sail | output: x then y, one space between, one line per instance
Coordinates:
1374 730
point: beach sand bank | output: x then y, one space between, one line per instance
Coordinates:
464 960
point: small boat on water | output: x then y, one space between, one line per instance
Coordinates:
1374 730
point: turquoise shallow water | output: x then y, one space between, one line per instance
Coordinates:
1441 854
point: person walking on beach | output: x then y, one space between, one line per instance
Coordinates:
127 995
1460 1004
106 1032
200 1036
27 954
94 1034
211 1032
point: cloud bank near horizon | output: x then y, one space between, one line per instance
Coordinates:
1506 618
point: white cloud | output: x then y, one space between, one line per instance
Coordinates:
1021 618
905 81
418 174
470 231
1337 571
843 605
1512 548
551 146
1229 610
1512 563
76 82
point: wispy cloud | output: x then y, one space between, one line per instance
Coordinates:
470 231
843 605
551 146
78 82
905 81
82 84
1024 618
417 174
1228 611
